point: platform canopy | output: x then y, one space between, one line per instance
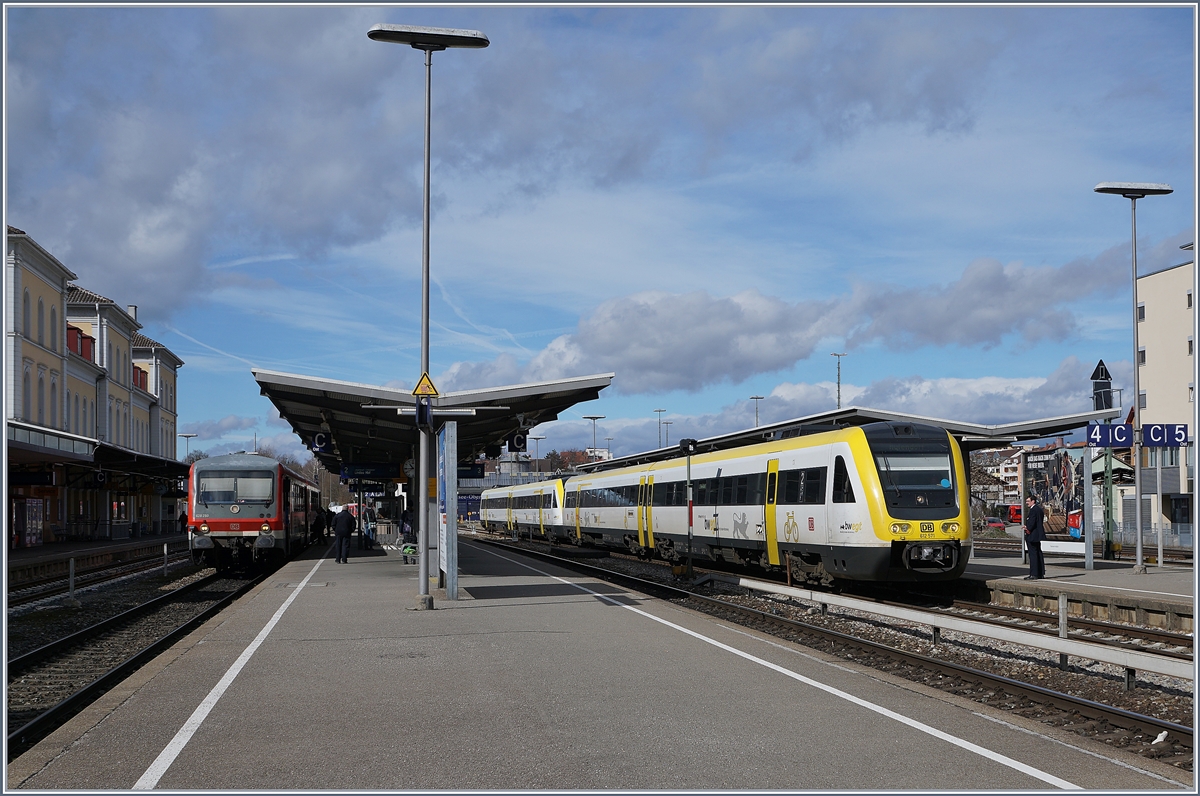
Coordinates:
360 425
971 436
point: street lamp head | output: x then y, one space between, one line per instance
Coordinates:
435 39
1134 190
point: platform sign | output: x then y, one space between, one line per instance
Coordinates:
1164 435
382 471
1110 435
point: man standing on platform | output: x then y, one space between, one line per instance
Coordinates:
1035 534
343 529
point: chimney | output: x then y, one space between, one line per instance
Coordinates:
132 309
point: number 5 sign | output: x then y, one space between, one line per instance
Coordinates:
1165 435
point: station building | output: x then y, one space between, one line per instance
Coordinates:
90 409
1166 364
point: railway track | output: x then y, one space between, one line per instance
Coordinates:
45 588
49 685
1147 735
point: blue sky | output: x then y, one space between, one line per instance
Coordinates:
707 201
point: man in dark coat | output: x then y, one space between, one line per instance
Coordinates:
343 529
1035 534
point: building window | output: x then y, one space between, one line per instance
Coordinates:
26 320
53 404
1142 399
41 415
1189 295
78 428
1141 312
27 397
41 338
1191 393
1141 356
54 329
1190 346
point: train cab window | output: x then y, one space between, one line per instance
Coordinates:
843 490
235 486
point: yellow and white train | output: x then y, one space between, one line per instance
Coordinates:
880 502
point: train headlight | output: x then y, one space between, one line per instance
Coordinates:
951 527
266 527
204 527
900 527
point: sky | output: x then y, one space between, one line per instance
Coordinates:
705 201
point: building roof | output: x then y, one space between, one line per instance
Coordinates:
81 295
971 436
364 425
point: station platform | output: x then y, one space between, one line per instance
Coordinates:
1161 597
536 678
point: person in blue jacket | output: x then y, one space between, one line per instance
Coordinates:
1035 534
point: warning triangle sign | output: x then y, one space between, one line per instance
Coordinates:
1101 373
425 387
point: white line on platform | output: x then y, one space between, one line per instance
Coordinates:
1049 779
167 756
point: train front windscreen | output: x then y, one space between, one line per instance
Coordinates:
235 486
915 469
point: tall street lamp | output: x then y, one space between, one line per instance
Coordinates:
536 455
593 418
187 444
839 378
756 399
430 40
608 445
1134 191
659 413
668 423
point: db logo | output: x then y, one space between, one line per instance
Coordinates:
812 524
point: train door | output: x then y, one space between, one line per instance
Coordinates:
646 512
578 503
508 516
769 506
844 518
541 501
641 511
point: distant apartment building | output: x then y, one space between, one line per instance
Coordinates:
1165 362
89 407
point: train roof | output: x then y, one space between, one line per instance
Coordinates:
970 436
247 459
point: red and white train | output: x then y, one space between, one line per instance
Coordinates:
246 509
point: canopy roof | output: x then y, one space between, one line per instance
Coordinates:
363 425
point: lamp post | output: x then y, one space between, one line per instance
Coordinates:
430 40
668 423
756 399
659 413
839 378
536 456
1134 191
608 446
187 444
593 418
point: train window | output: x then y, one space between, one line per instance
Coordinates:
235 486
741 495
843 490
813 490
771 481
789 486
917 470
